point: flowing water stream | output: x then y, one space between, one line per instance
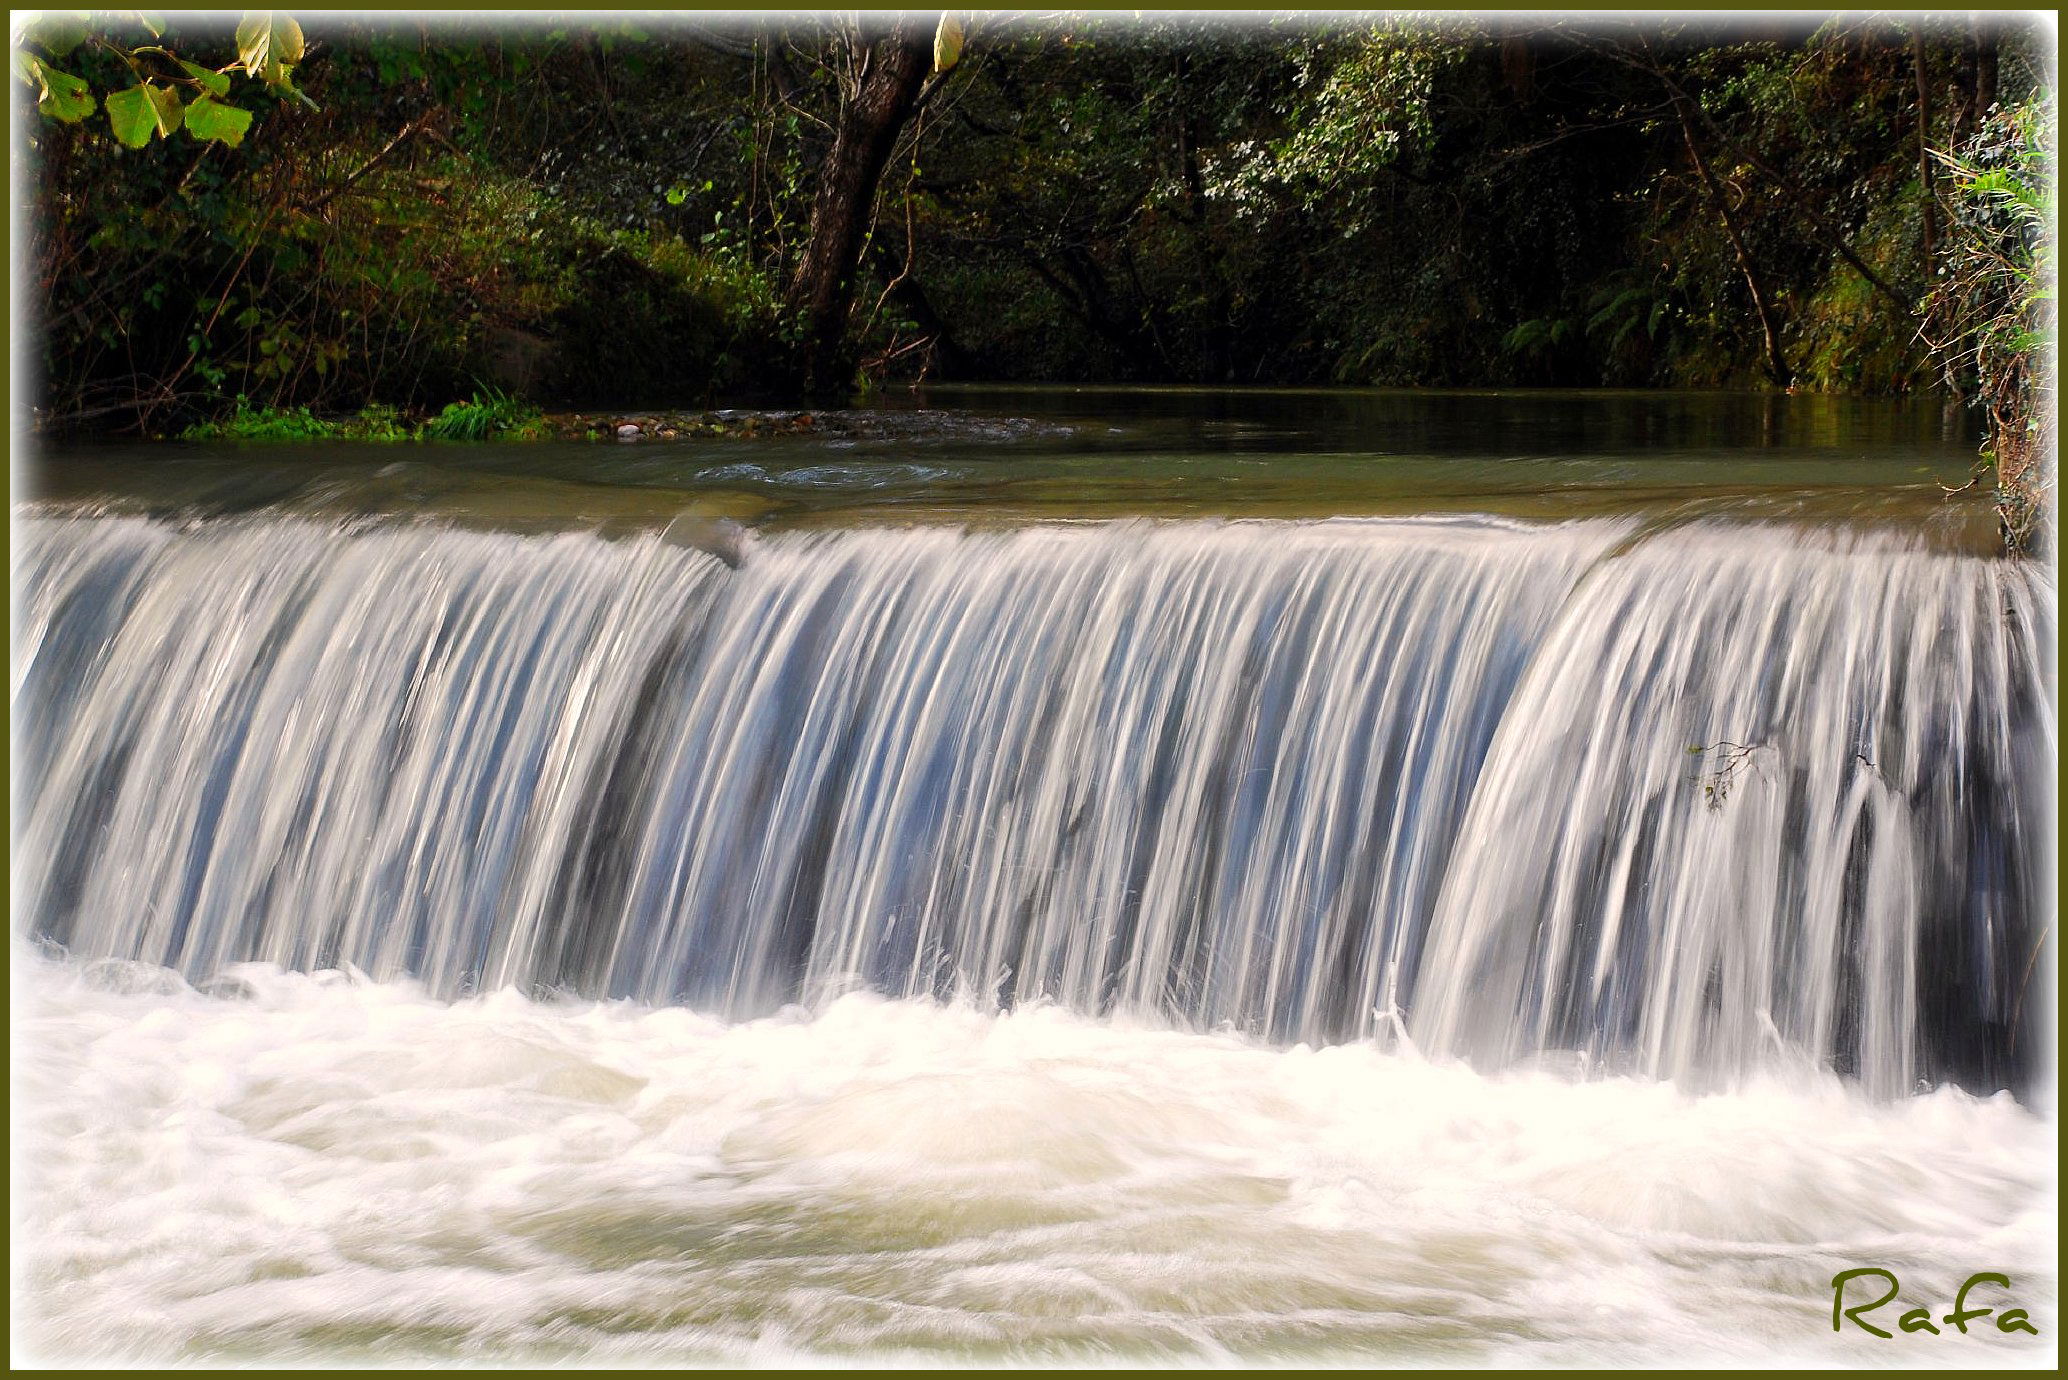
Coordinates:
1463 928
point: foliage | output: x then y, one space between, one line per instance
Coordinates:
247 423
1998 287
1992 313
161 92
1361 103
385 240
492 413
1437 201
608 213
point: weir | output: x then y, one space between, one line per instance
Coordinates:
1681 802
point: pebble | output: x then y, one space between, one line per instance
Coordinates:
628 432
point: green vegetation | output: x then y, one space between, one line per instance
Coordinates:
617 215
247 423
491 415
404 238
1991 315
155 92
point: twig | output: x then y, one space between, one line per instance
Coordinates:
368 166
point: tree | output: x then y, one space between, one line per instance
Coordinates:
887 84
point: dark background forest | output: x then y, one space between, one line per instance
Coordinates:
590 211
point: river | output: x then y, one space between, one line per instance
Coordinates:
1037 877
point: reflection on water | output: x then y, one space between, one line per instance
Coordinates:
976 454
1513 422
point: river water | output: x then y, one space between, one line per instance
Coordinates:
1049 876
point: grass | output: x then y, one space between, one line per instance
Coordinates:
248 423
491 415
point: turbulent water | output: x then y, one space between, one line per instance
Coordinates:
353 1170
1479 939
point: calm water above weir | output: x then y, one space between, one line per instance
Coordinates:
991 455
1055 876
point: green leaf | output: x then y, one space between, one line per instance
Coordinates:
64 96
131 116
165 104
947 43
206 119
269 43
58 34
214 83
1527 335
139 112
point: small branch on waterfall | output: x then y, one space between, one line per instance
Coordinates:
1975 476
2018 1005
1716 784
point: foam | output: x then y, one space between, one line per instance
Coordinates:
323 1168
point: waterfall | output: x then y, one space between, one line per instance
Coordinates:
1678 802
1776 790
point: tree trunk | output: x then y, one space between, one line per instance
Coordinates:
894 67
1518 62
1924 148
1967 83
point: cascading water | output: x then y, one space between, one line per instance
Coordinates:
1682 801
1775 792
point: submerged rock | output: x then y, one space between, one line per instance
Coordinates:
716 536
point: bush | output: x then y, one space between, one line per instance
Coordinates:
384 247
1991 315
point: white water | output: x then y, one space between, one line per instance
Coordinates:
1245 773
1150 802
319 1169
1778 790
